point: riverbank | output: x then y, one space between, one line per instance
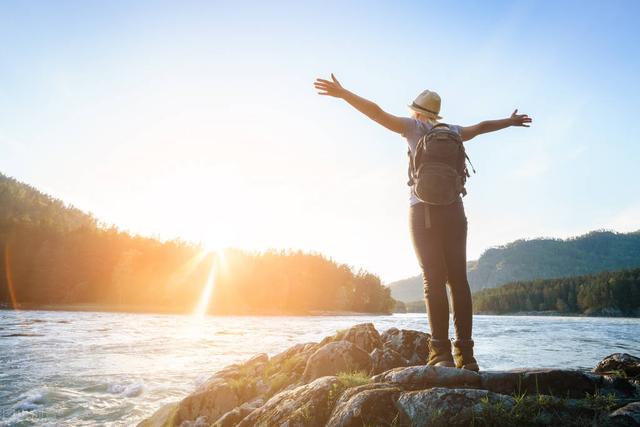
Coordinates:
554 313
141 309
361 377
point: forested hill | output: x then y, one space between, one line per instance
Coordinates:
23 204
525 260
56 255
607 293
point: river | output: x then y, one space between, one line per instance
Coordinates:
113 369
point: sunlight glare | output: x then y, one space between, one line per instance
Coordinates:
207 291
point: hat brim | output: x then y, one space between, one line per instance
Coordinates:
421 111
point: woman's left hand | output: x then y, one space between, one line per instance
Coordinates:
519 119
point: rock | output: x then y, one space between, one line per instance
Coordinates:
412 345
162 417
403 391
555 382
619 387
198 422
236 415
304 406
415 377
370 404
385 359
444 406
335 357
212 402
628 415
296 350
619 362
364 335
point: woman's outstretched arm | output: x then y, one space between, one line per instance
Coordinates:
469 132
366 107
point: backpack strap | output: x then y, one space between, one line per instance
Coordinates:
469 160
410 171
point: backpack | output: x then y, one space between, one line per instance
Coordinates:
438 169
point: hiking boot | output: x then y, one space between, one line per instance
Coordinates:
440 353
463 355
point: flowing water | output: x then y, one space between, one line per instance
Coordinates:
63 368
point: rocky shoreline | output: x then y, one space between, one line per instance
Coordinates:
359 377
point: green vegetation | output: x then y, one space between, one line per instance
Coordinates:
546 410
346 380
57 255
353 379
608 293
525 260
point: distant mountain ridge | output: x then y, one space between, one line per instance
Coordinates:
544 258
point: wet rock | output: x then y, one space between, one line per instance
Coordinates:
628 415
555 382
412 345
385 359
370 404
416 377
619 362
304 406
162 417
444 406
335 357
364 335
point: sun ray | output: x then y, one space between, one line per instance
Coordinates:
217 262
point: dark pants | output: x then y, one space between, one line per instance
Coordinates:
441 249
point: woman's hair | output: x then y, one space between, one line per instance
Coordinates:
424 117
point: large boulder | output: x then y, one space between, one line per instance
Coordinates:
364 335
417 377
217 399
335 357
233 417
412 345
628 415
619 362
555 382
445 406
224 391
385 359
304 406
302 351
370 404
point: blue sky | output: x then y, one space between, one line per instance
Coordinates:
199 119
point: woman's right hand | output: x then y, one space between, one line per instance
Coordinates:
519 119
330 88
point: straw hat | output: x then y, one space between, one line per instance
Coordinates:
427 102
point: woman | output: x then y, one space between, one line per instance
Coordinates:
439 233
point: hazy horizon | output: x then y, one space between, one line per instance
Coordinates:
199 120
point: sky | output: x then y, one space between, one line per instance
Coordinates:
199 120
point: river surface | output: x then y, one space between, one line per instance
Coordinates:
61 368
